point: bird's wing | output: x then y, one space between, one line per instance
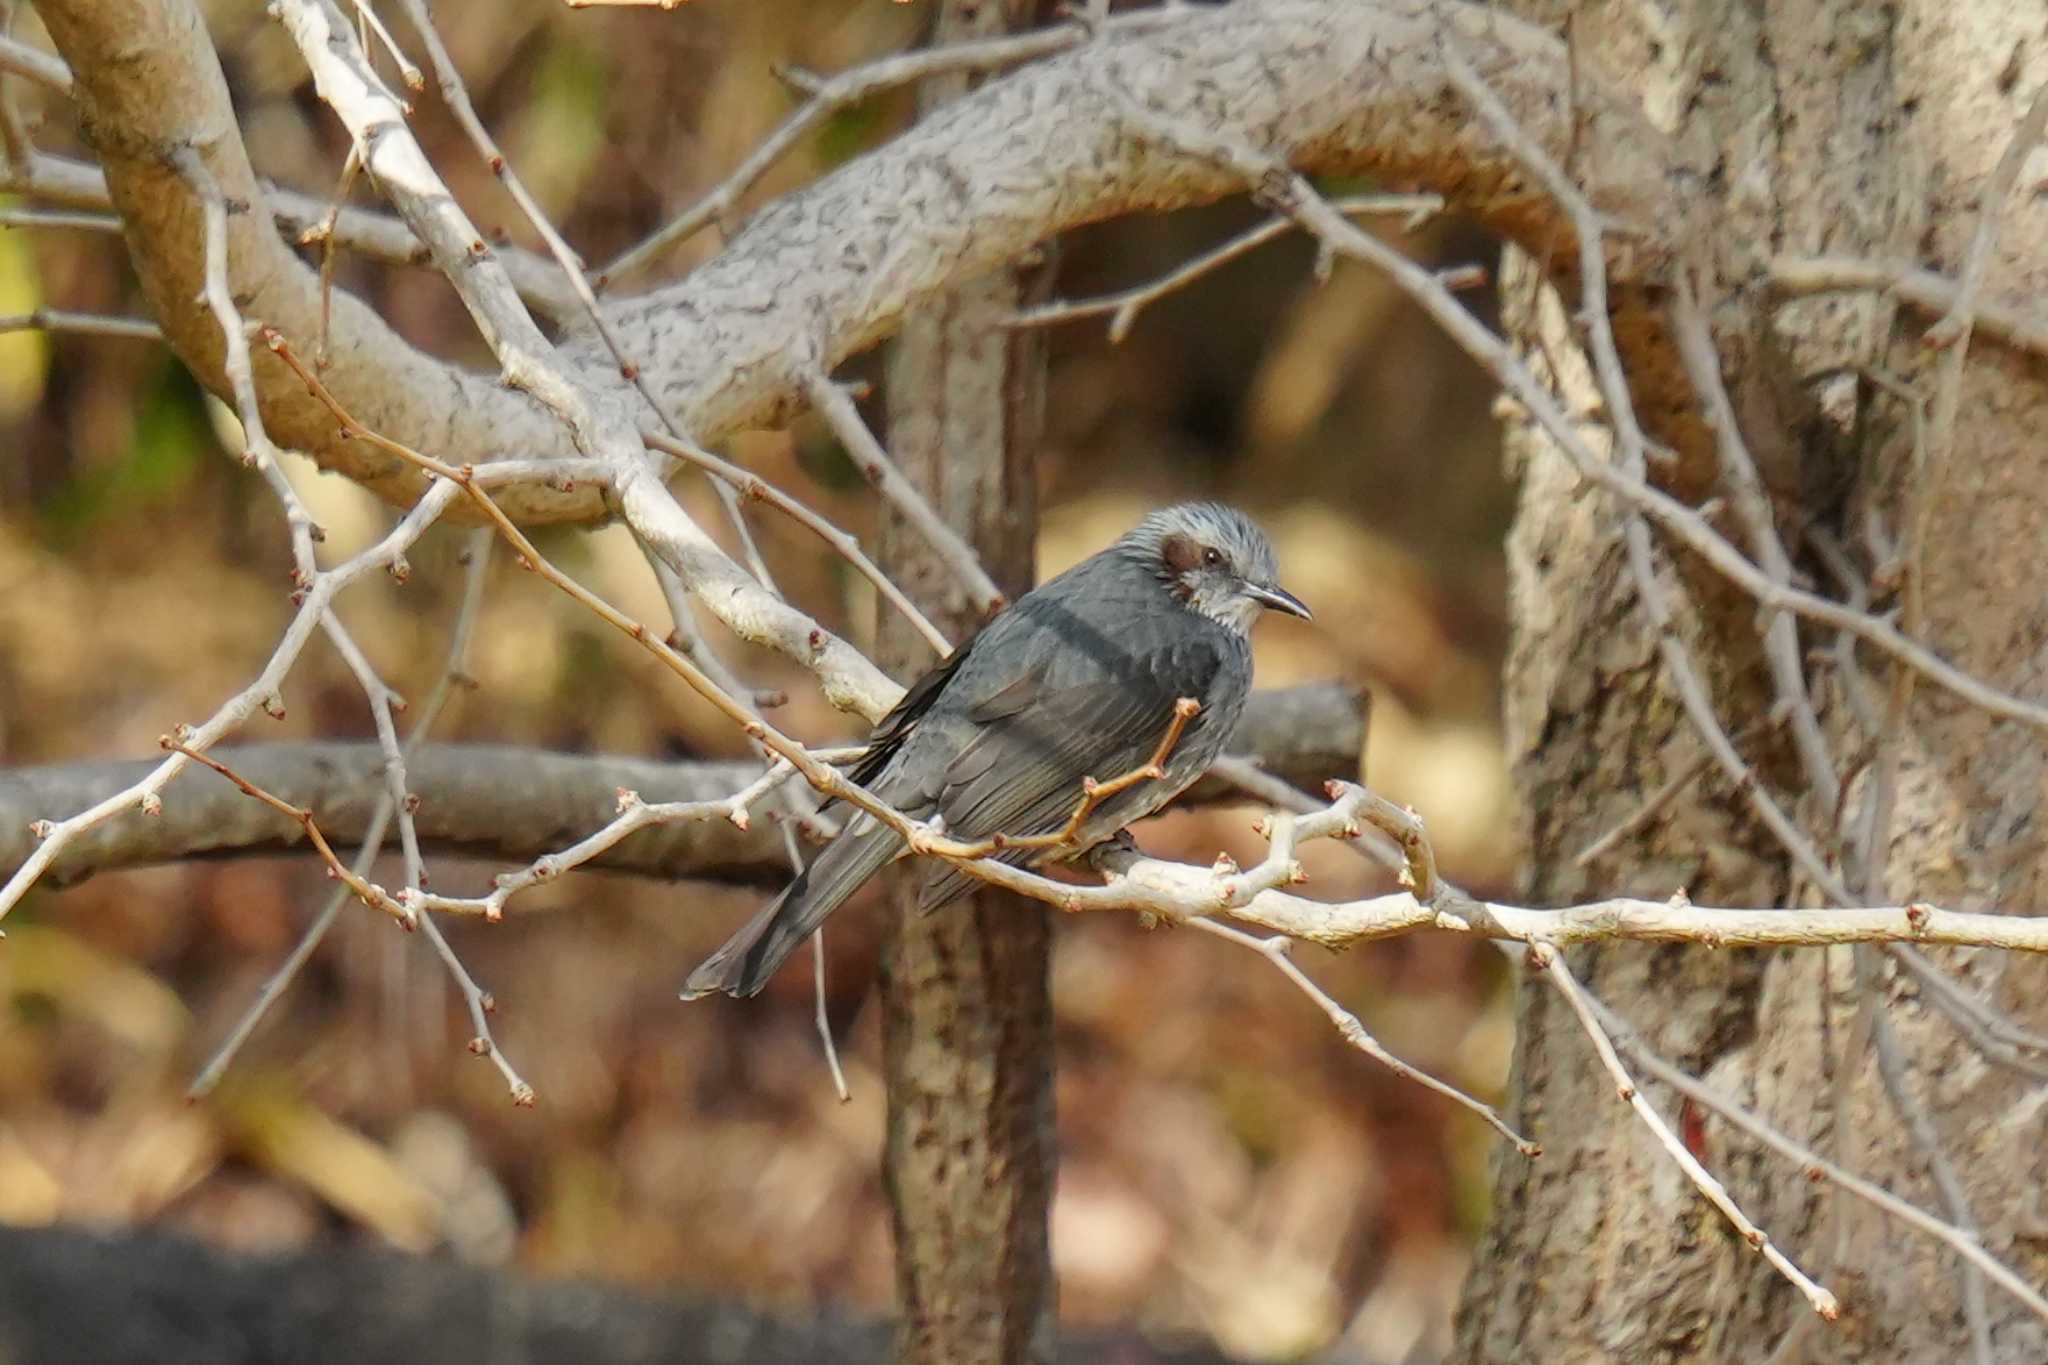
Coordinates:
894 728
1027 745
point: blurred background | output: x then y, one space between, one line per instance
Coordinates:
1231 1171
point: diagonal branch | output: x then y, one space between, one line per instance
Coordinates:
1552 962
147 80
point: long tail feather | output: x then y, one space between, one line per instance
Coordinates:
744 963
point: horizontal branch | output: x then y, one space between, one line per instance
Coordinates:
1178 890
517 804
1920 289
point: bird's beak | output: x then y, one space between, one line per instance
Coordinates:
1273 597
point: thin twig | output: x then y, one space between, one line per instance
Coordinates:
1688 773
1292 194
59 219
1093 793
56 835
15 142
1125 305
836 405
258 451
406 70
82 324
826 97
1891 1067
370 894
454 678
1955 325
1178 891
1815 1165
1552 962
1753 505
351 166
634 815
2008 322
750 485
1275 950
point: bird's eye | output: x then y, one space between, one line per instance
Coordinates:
1212 558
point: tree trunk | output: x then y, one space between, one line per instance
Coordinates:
1838 128
967 1012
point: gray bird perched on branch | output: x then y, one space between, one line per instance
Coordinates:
1131 667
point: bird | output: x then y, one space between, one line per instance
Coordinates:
1080 678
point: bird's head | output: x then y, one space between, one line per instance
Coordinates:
1214 560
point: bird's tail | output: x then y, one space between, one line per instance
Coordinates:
743 965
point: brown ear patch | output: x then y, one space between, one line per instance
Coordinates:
1180 554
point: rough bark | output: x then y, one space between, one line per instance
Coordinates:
967 1030
826 272
502 801
148 83
1860 130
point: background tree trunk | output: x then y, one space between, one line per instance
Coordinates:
1823 127
967 1011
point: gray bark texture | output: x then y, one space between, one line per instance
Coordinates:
1824 126
512 803
967 1029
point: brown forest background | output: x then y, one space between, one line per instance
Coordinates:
1230 1168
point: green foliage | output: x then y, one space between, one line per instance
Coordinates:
170 439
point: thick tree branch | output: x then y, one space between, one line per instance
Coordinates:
516 804
828 271
148 83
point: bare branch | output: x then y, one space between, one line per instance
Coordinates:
836 405
407 71
1656 801
22 60
1041 150
1891 1067
149 80
1552 962
1683 522
144 793
1125 305
1753 505
1955 324
1275 950
301 218
370 894
827 97
476 555
57 219
1815 1165
510 803
752 486
81 324
634 815
1910 284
